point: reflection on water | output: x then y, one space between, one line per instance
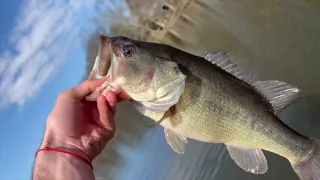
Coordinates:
276 39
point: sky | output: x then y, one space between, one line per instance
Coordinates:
40 56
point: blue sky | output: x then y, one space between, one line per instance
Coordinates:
40 55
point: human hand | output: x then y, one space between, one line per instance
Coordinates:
78 125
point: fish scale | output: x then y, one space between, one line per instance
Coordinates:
209 99
231 114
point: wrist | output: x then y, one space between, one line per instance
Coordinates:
52 141
56 165
66 147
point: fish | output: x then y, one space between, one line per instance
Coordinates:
207 98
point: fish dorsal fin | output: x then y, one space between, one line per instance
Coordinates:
279 94
250 160
176 141
223 60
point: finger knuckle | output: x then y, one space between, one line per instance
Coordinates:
112 132
109 134
86 83
62 95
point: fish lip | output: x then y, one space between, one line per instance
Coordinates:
105 55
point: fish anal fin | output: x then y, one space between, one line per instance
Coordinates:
279 94
250 160
176 142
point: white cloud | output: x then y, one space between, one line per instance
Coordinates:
37 46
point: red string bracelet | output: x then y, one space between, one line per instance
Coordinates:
66 152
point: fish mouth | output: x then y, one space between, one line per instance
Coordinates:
104 67
104 56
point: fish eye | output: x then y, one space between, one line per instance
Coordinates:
129 51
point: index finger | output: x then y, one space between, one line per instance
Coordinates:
85 88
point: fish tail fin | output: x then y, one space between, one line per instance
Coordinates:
309 168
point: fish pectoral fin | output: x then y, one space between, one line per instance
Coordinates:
157 123
176 141
250 160
279 94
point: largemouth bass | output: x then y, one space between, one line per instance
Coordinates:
209 99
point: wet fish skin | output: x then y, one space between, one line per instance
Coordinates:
217 102
218 107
